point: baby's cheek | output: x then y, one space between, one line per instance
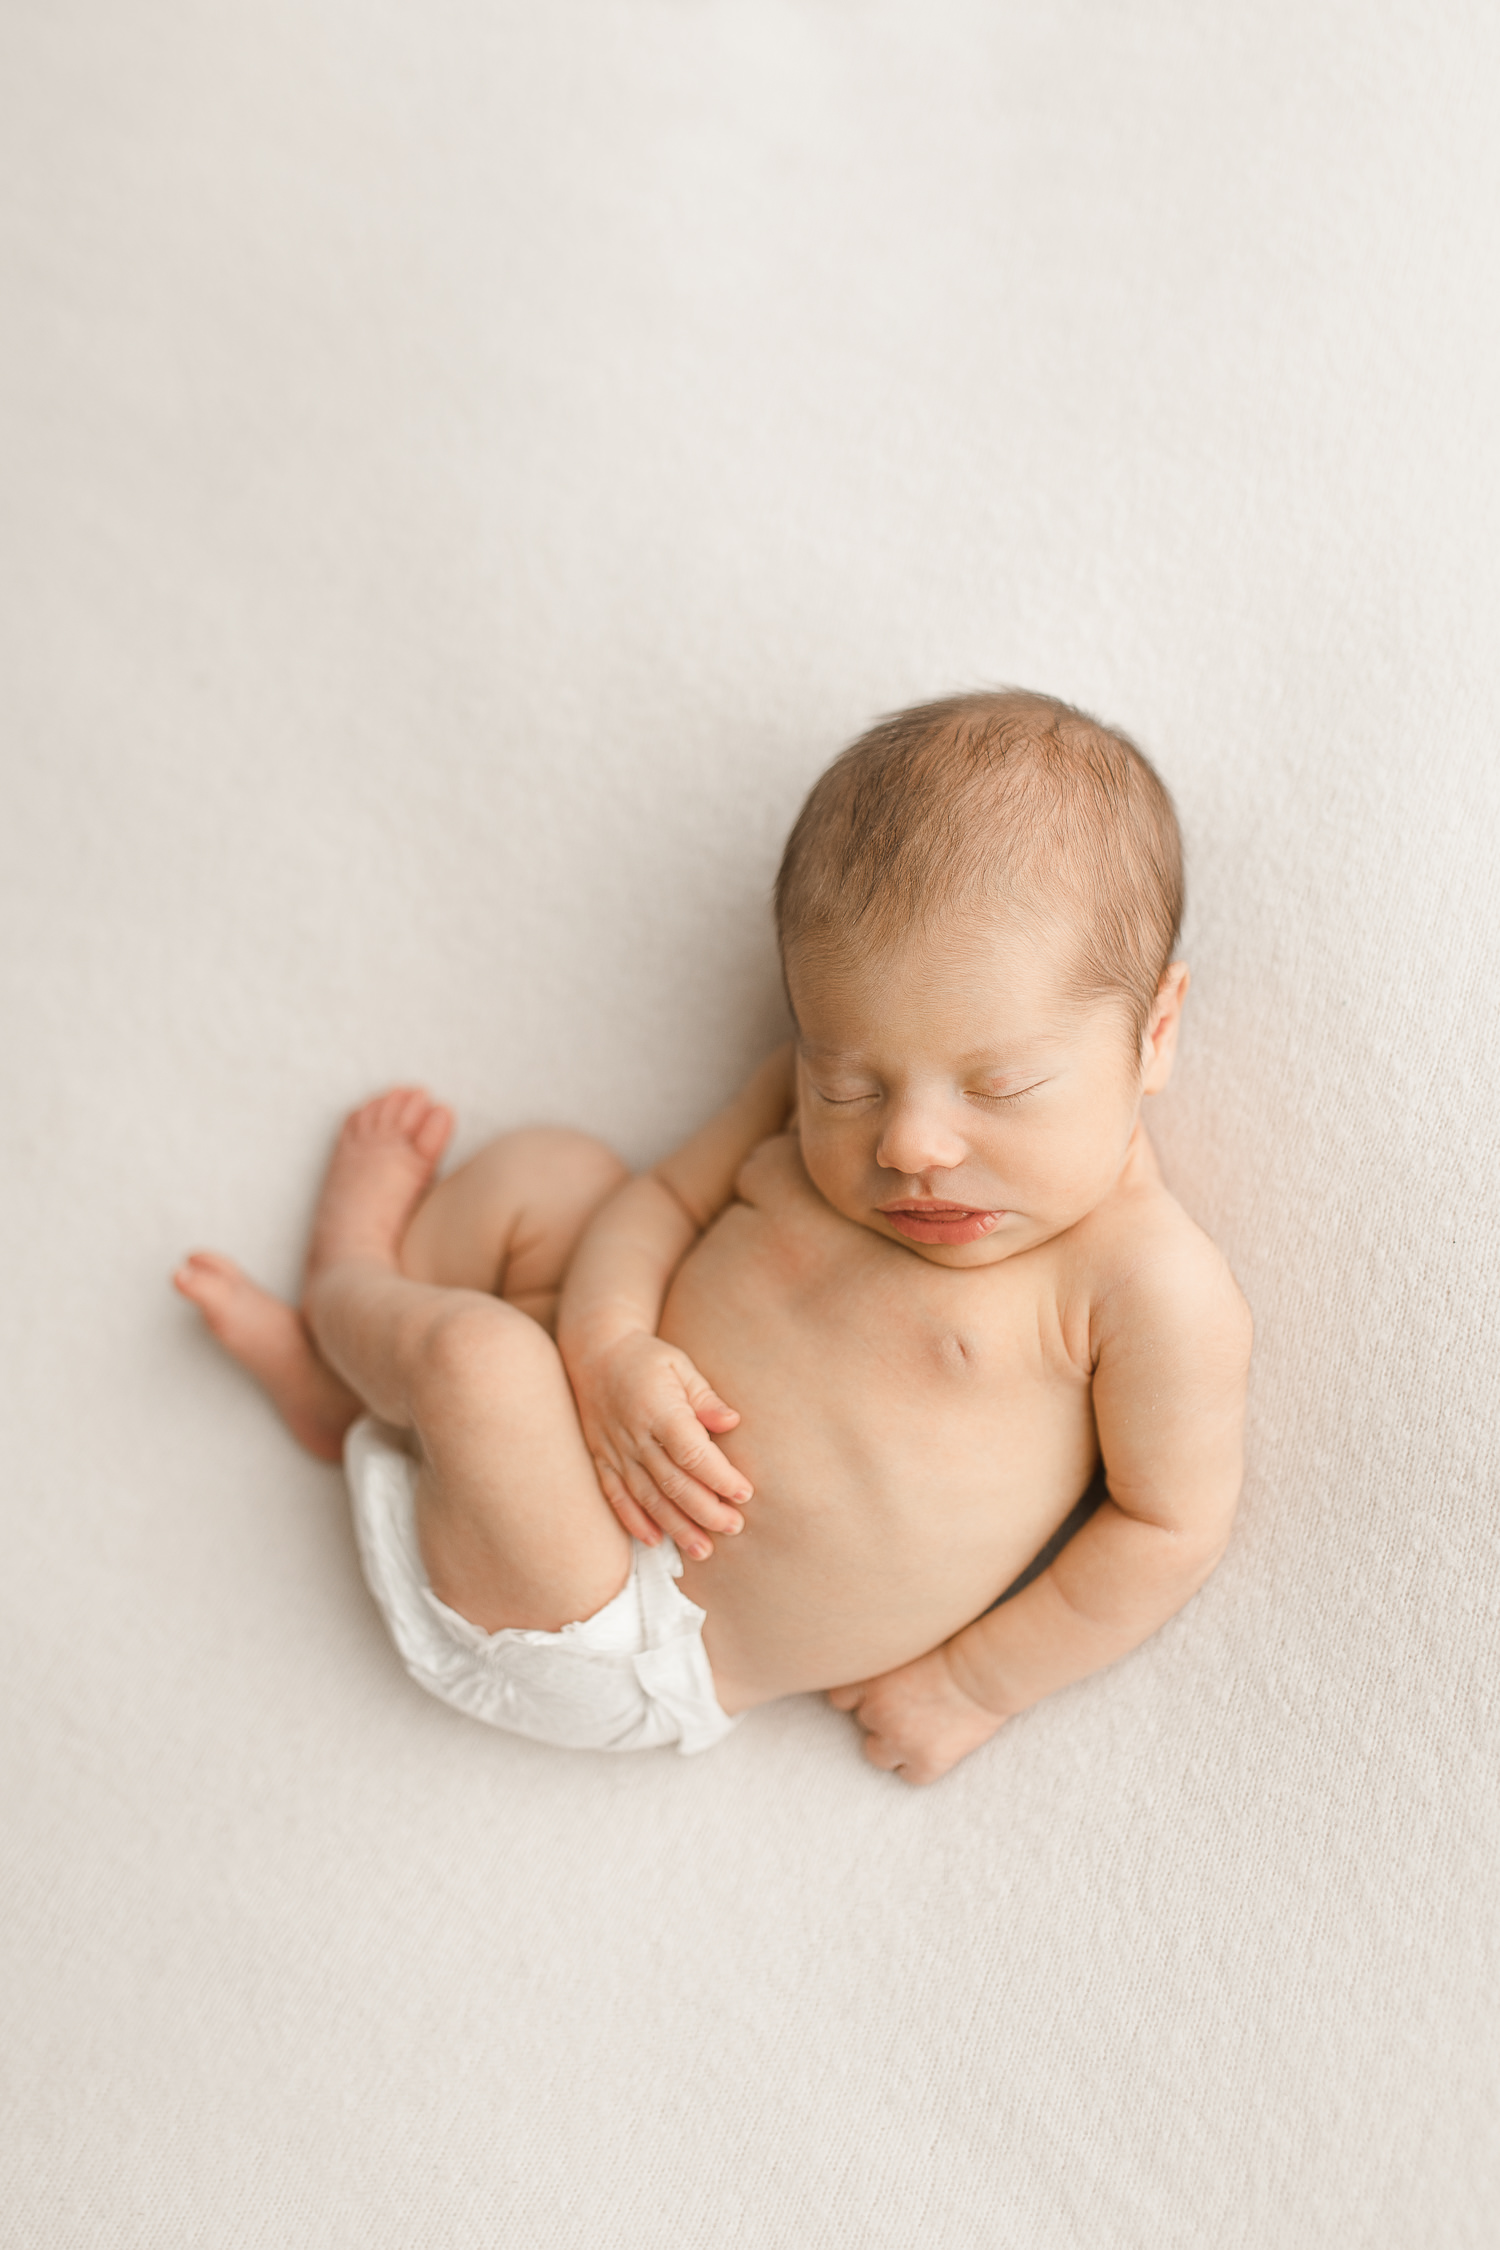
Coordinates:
837 1171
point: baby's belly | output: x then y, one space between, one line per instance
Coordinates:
893 1499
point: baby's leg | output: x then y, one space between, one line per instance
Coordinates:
513 1528
507 1221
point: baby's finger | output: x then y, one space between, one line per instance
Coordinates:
685 1492
682 1440
882 1752
712 1411
632 1516
917 1774
659 1508
846 1698
644 1495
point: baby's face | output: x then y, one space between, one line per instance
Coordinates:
950 1095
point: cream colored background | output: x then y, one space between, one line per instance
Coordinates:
467 468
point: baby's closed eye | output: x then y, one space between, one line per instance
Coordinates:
843 1097
1003 1090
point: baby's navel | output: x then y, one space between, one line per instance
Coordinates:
957 1352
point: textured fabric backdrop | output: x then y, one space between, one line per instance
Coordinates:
467 469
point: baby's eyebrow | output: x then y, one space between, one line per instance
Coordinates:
990 1065
984 1064
1004 1079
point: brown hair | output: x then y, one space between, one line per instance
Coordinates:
1002 795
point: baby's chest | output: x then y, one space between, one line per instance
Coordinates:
862 1384
908 1333
928 1395
918 1342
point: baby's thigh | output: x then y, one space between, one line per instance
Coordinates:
512 1526
508 1220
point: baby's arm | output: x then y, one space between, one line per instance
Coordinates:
1173 1347
645 1408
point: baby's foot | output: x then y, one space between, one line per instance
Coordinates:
382 1164
381 1167
270 1339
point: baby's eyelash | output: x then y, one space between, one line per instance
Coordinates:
1018 1095
850 1101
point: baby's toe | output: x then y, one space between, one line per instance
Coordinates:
411 1104
431 1135
362 1123
204 1274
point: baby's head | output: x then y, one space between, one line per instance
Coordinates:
978 909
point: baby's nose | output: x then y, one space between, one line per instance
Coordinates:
914 1141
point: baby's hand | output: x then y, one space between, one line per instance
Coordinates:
645 1411
918 1721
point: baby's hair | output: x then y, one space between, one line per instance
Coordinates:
992 798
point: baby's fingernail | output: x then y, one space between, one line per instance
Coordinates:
698 1552
735 1523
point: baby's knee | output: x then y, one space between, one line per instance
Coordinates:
561 1165
528 1194
544 1169
472 1349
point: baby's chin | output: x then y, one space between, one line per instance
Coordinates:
988 1252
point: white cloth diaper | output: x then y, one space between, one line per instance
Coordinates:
632 1677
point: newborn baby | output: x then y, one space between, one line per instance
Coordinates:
826 1379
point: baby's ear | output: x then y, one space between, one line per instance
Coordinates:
1159 1041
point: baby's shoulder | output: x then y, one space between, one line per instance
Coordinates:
772 1171
1146 1269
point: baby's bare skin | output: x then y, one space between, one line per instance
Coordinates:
873 1326
914 1281
931 1304
913 1434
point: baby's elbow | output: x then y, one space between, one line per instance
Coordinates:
1197 1549
1177 1559
683 1196
1199 1559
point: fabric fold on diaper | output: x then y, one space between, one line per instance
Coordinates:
634 1676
